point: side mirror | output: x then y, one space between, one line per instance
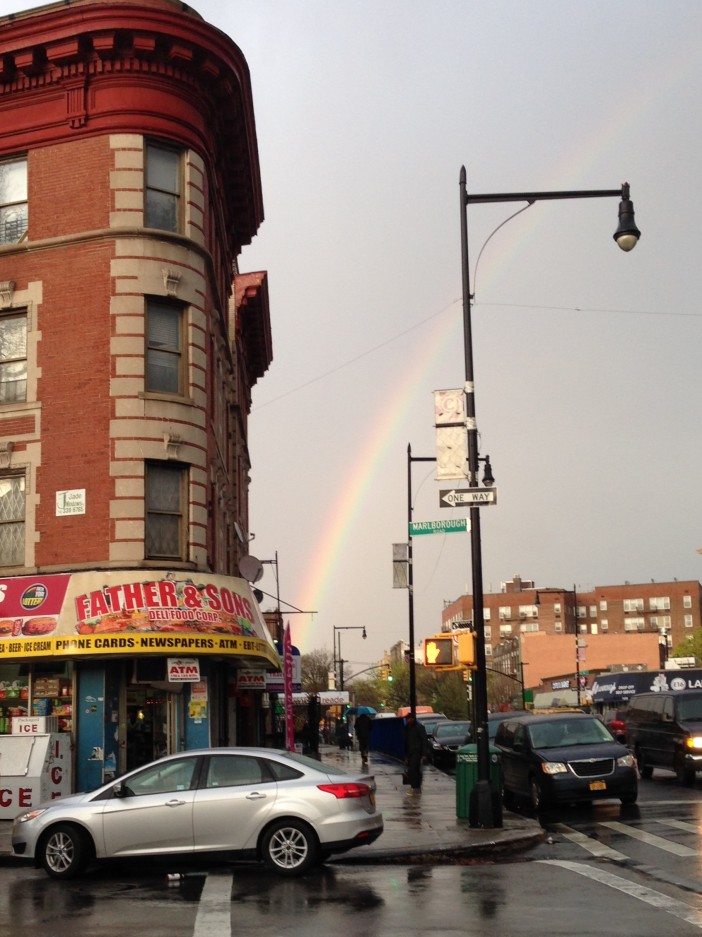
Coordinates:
119 790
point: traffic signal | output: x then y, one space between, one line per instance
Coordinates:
438 651
466 649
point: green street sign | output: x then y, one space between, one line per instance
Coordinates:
457 525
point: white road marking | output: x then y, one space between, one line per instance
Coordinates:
214 912
682 825
650 839
593 846
654 898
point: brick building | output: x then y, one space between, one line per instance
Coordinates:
657 613
129 344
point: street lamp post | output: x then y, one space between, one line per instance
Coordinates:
339 657
410 578
481 812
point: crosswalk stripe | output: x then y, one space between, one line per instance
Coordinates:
654 898
214 912
682 825
650 839
593 846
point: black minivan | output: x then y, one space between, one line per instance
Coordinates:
664 730
563 758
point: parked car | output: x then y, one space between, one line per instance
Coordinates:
496 719
448 736
615 720
664 730
563 758
432 723
288 810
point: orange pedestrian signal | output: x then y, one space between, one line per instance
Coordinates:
438 652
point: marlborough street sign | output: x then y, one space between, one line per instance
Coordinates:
472 496
455 525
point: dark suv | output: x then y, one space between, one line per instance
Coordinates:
664 730
563 758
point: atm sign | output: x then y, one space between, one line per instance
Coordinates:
183 670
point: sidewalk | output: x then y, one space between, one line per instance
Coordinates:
424 826
418 826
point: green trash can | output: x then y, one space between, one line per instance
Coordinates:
467 776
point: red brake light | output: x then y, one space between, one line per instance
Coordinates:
341 791
617 724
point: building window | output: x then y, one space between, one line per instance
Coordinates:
556 608
165 487
634 624
13 200
558 626
603 605
687 601
12 501
488 633
604 624
486 614
529 626
163 185
505 630
528 611
582 611
687 619
13 358
633 605
504 612
659 604
593 611
164 343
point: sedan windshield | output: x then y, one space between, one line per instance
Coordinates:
555 734
451 728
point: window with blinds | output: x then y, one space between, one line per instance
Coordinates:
165 490
164 340
13 358
162 187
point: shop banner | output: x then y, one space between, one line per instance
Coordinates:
131 612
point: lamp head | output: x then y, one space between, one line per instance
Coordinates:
627 234
363 633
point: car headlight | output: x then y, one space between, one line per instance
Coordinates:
30 815
436 744
553 767
626 761
694 741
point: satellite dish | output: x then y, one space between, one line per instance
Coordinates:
251 568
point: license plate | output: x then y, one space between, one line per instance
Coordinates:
598 786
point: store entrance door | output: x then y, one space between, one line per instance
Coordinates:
149 725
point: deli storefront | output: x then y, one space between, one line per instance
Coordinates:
132 665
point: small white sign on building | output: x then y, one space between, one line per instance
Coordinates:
70 502
183 670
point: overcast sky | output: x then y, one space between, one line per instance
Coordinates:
587 359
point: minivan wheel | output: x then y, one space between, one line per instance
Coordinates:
537 797
64 851
646 771
685 774
290 847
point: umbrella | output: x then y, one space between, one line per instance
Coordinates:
361 711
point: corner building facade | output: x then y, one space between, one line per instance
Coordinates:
129 344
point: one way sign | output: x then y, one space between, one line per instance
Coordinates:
472 496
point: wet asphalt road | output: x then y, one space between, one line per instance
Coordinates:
608 871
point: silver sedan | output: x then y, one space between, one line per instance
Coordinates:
287 810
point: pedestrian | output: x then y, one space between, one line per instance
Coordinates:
363 731
342 735
416 750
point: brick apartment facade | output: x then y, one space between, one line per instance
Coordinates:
129 344
620 624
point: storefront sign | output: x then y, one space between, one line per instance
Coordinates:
183 669
131 612
250 680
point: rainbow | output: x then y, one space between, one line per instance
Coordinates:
382 436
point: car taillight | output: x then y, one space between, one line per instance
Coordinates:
617 725
341 791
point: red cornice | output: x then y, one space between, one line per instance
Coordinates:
116 67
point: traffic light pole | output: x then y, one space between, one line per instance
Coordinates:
410 578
